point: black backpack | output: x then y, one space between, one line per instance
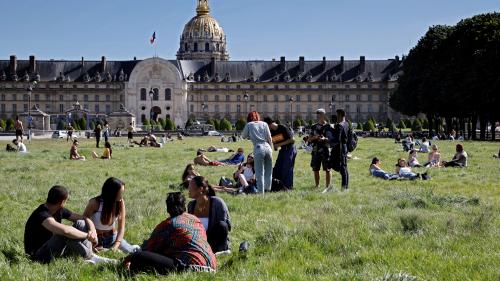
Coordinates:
352 140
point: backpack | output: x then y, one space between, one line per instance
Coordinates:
352 140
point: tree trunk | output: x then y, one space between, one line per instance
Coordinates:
449 124
492 122
469 128
474 127
482 128
430 118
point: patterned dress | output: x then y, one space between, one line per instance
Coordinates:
182 238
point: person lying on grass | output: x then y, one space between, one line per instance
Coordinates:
212 212
104 211
203 160
46 238
106 154
404 171
376 171
179 243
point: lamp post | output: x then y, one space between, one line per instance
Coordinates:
331 105
30 119
151 94
245 97
291 110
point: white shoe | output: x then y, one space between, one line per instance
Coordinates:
328 189
95 259
136 248
227 252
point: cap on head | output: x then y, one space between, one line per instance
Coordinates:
320 111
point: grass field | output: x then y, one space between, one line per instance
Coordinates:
443 229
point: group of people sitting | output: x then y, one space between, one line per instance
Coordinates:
403 166
75 155
189 239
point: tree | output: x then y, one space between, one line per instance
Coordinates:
425 123
92 125
389 124
169 125
217 124
408 123
225 125
82 123
359 127
401 125
189 123
161 123
369 126
2 124
75 125
417 125
240 124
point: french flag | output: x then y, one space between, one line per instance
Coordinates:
153 38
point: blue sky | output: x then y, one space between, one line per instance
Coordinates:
255 29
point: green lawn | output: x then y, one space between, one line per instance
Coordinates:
443 229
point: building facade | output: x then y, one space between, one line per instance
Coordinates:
202 83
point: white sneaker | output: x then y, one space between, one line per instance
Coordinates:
136 248
95 259
328 189
227 252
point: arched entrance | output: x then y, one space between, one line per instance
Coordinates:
155 113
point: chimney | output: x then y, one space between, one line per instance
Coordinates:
324 64
103 64
212 66
283 64
362 64
301 64
83 62
32 64
341 64
396 58
13 64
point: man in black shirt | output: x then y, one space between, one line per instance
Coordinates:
283 138
45 237
338 143
320 152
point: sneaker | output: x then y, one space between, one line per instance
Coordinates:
328 189
95 259
136 248
344 189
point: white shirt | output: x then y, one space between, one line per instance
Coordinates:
21 147
424 147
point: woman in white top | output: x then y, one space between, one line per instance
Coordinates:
413 160
245 174
404 171
104 211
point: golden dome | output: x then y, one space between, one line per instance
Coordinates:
203 25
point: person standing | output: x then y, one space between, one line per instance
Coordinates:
97 132
106 132
70 133
130 133
338 155
18 126
260 135
283 139
320 152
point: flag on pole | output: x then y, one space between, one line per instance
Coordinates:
153 38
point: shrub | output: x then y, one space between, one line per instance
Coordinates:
369 126
61 125
389 124
189 123
240 124
359 127
169 125
225 125
425 123
417 125
82 123
9 126
408 123
92 125
217 124
75 125
161 122
2 124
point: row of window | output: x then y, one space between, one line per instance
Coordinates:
36 97
154 94
287 86
276 98
48 108
264 108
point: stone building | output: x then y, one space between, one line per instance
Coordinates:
202 83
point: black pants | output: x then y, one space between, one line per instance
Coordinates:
452 164
97 140
344 173
218 237
151 262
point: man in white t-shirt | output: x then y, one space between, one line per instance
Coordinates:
21 147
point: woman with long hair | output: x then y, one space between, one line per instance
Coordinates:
260 135
107 209
106 154
188 174
245 175
212 212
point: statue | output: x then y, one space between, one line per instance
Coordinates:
3 77
26 76
108 77
97 77
227 78
217 77
309 77
121 76
37 77
86 77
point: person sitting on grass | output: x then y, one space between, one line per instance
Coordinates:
497 155
245 176
235 159
404 171
203 160
20 146
46 238
104 211
459 159
212 212
179 243
73 152
424 145
434 158
413 160
376 171
106 154
188 174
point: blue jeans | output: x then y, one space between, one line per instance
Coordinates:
107 242
382 174
263 165
411 176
